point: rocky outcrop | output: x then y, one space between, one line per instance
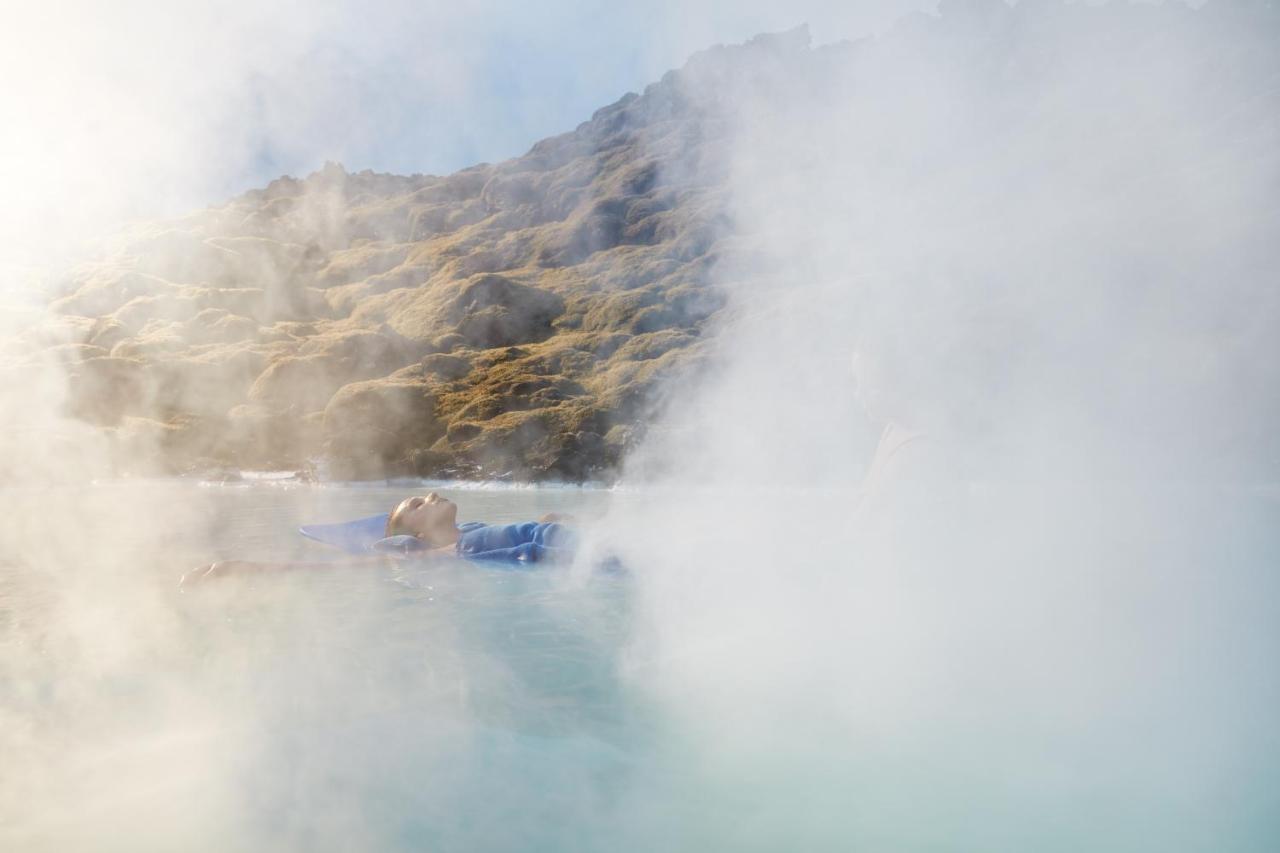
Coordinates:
372 428
508 320
525 318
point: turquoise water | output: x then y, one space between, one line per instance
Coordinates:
447 707
358 708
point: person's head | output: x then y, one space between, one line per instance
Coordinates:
429 517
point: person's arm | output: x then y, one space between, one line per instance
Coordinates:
229 568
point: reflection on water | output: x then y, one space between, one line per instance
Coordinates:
1055 703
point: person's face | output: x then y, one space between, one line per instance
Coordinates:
424 515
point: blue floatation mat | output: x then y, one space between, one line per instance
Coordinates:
354 537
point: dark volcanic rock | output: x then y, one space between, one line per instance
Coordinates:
445 367
372 428
491 311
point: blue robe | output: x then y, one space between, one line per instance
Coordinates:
526 542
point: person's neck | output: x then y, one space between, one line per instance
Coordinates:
444 537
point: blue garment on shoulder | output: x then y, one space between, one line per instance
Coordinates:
527 542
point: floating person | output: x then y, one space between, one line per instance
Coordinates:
421 526
429 524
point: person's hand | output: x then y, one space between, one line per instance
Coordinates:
222 568
557 517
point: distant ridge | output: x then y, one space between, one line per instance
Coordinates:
522 320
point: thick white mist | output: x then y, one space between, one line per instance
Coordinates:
1051 624
1046 621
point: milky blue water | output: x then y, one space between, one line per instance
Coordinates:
444 706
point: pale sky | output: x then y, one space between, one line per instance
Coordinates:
142 108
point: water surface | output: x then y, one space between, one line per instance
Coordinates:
1058 683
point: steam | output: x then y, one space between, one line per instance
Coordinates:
132 716
1049 623
1043 233
152 109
